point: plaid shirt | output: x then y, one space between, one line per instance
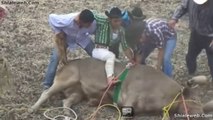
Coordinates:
158 32
103 34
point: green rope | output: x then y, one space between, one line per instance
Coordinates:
117 89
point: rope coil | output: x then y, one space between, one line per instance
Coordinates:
61 116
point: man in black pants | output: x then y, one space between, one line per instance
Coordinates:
201 25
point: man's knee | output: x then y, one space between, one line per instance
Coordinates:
89 48
111 55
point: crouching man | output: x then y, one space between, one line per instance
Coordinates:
158 34
109 34
71 30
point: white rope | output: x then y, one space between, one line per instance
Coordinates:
61 116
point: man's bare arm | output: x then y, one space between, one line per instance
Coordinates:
160 58
61 47
130 55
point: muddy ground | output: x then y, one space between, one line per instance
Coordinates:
26 43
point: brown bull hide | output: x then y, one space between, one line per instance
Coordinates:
208 107
145 89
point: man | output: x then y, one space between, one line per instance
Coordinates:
201 25
157 34
109 34
71 30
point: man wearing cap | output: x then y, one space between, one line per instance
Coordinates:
157 34
201 25
109 34
154 33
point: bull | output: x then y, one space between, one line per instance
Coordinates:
146 89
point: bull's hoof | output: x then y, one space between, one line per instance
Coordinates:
32 110
93 102
200 80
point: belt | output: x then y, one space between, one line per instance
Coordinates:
101 46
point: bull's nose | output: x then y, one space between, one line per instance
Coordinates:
200 80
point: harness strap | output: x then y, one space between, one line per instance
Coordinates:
117 89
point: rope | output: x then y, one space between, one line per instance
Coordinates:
99 106
167 108
117 89
111 105
185 107
61 116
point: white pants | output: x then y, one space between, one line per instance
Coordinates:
105 55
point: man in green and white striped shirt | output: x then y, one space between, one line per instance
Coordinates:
109 34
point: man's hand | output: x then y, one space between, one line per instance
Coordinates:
64 61
130 64
172 23
157 67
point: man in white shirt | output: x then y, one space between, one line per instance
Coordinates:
71 31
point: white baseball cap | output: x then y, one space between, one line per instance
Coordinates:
200 2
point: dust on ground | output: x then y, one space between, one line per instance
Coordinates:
26 44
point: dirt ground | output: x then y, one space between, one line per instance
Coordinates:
26 44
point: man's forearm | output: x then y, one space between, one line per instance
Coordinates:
160 58
180 10
61 46
129 53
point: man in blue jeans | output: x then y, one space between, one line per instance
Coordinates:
157 34
200 14
71 30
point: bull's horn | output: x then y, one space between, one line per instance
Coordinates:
199 80
208 107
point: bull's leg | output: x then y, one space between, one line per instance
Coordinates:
55 88
72 99
93 102
61 82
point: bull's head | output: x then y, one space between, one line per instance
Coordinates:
190 104
195 109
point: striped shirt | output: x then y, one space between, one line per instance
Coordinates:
158 31
104 35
